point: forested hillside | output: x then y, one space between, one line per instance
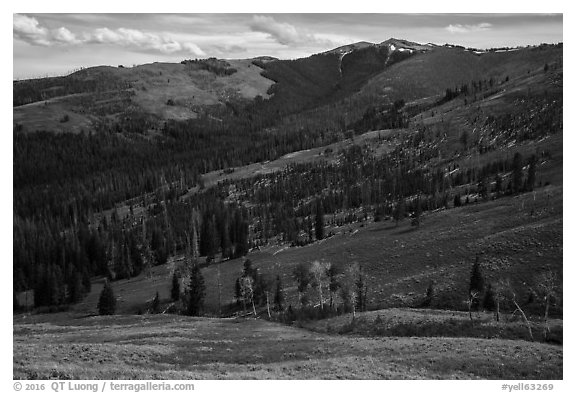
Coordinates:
129 193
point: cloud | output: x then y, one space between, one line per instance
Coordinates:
463 29
285 33
64 36
29 30
137 39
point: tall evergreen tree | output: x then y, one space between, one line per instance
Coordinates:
417 212
242 242
107 301
196 292
399 211
488 301
155 307
517 164
302 276
531 179
175 291
237 291
457 201
279 295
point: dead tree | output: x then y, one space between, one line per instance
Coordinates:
512 295
547 286
471 299
498 291
320 278
349 288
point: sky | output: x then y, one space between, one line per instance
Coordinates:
56 44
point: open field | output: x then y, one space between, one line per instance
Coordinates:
176 347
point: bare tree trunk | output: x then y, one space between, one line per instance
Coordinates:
268 305
546 327
497 311
219 291
253 308
525 319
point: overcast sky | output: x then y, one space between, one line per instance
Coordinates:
55 44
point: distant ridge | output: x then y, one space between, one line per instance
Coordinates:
350 47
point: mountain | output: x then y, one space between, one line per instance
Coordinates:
349 193
403 45
395 68
342 50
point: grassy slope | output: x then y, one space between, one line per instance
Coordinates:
400 261
174 347
397 322
431 73
152 86
37 116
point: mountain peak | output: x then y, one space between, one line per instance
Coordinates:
395 43
350 47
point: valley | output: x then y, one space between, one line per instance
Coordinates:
376 211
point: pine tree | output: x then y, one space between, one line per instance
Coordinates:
531 180
196 292
498 185
457 201
417 213
319 220
517 164
488 302
75 289
360 292
175 291
155 307
399 211
107 301
429 295
302 277
242 241
278 296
